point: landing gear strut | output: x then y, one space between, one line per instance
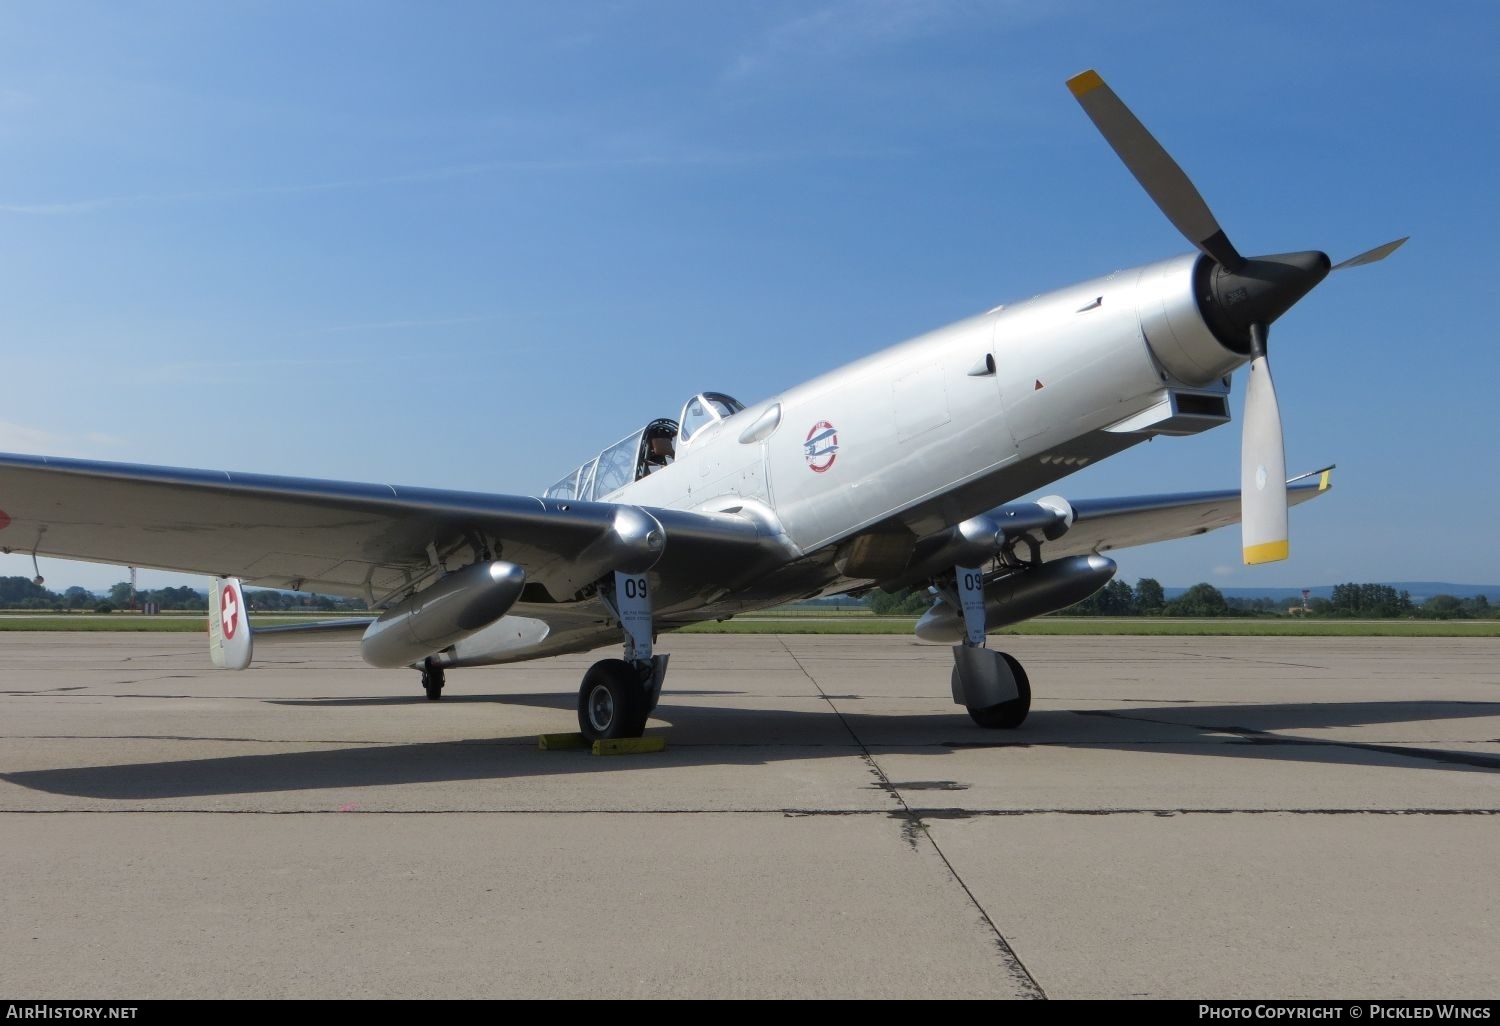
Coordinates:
432 679
991 685
617 695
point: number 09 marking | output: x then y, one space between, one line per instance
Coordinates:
635 589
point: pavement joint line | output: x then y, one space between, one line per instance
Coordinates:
241 740
519 744
1259 738
1015 968
934 812
1268 740
1258 662
528 743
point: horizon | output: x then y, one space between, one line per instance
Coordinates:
1488 588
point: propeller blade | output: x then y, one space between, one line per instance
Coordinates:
1371 256
1263 522
1154 168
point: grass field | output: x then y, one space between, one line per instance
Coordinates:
1097 625
866 624
166 624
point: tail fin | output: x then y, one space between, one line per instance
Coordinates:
229 636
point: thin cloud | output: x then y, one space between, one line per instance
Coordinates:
219 371
440 322
842 29
420 177
71 207
846 29
25 438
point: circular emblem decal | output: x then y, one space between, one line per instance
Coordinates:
821 447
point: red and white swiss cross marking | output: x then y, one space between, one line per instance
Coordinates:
229 610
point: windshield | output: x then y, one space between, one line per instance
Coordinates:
704 409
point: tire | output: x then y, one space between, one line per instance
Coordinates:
1006 715
611 701
432 682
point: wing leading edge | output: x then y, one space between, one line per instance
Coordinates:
345 538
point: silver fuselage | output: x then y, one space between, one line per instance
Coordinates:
922 435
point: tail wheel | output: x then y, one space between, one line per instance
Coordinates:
432 680
611 701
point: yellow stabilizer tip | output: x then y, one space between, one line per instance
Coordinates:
560 742
1267 552
1085 83
1325 480
630 745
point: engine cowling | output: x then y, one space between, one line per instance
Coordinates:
1196 315
1020 596
1167 300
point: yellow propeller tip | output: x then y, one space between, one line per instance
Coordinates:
1085 83
1267 552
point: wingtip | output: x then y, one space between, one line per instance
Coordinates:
1085 82
1323 474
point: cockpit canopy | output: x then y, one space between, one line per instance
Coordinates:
645 451
704 409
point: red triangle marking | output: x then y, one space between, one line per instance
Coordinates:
1038 387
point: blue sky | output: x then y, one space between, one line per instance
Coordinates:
466 245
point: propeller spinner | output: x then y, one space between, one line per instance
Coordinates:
1244 298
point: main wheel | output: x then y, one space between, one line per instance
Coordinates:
432 680
612 701
1006 715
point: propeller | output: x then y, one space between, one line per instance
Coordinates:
1263 522
1243 297
1371 256
1154 168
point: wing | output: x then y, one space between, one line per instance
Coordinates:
367 540
1103 524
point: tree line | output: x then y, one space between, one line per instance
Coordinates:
1149 598
24 593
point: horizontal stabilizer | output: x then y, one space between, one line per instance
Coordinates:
232 641
315 630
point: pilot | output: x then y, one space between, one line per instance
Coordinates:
660 449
